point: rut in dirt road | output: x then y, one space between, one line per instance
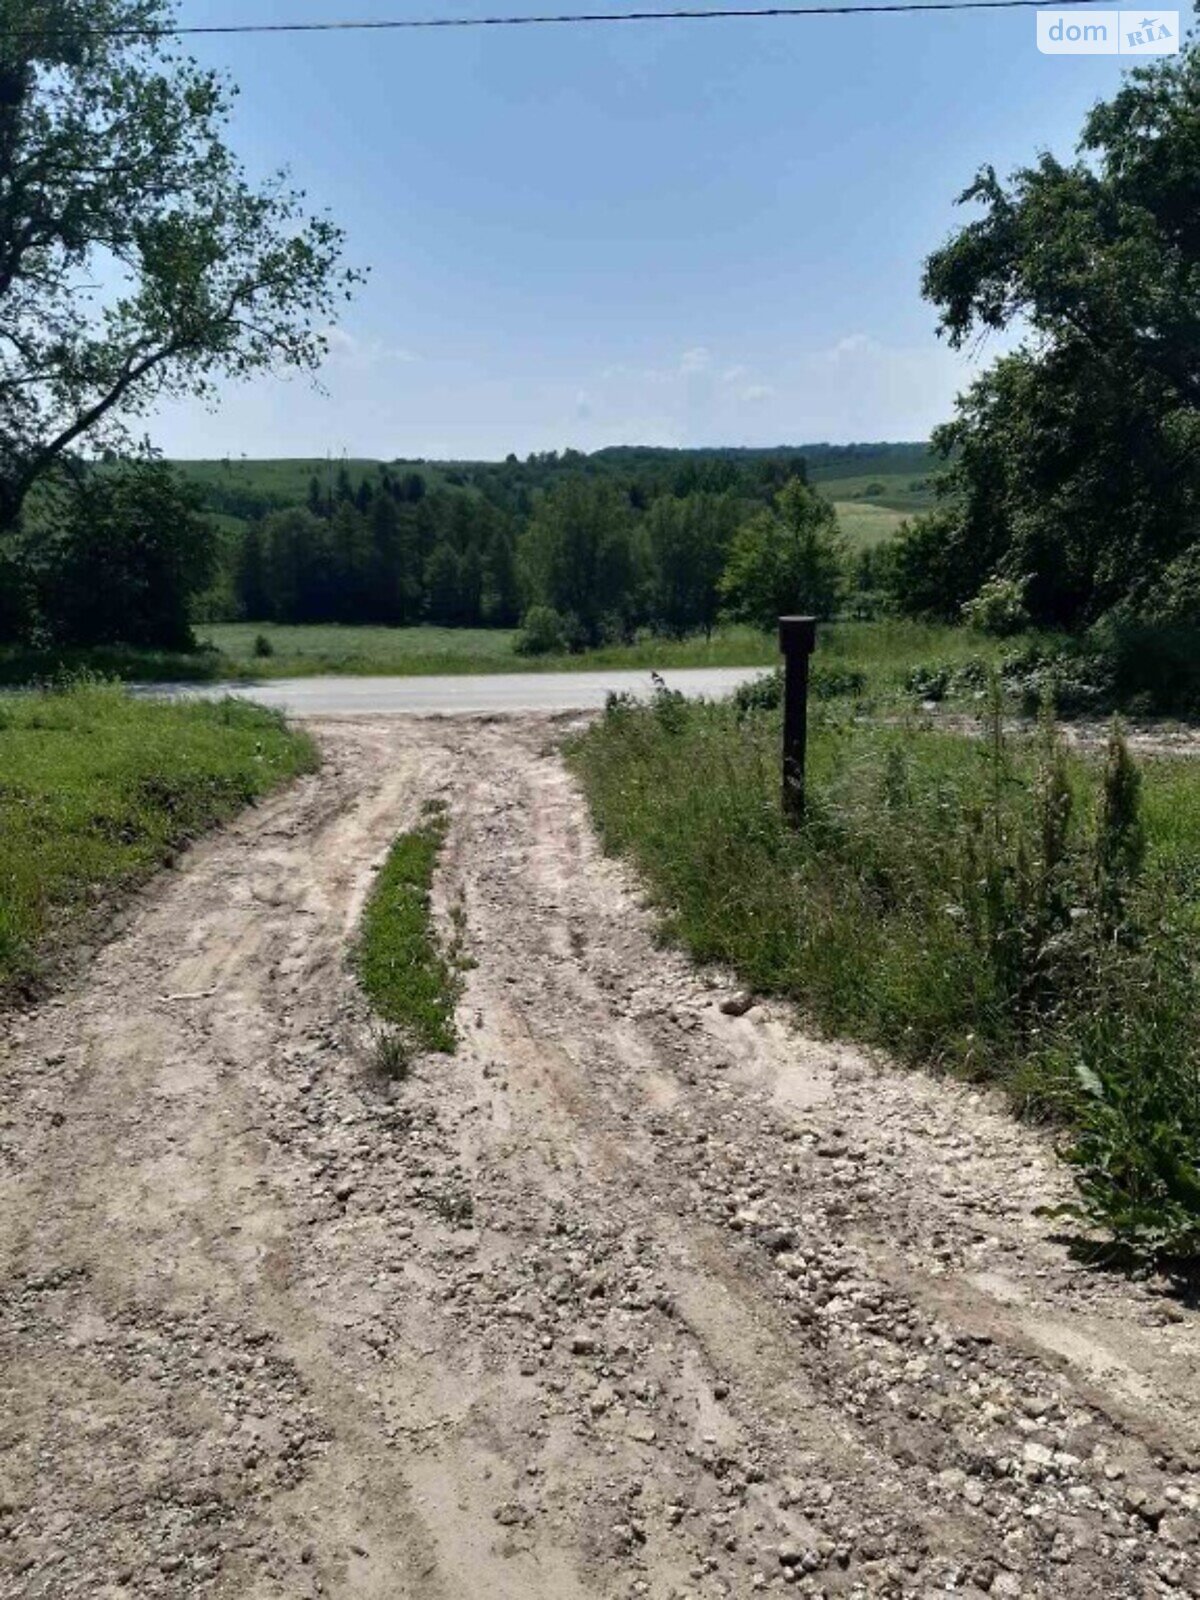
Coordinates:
629 1298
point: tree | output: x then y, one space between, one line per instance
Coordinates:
137 261
578 557
788 559
127 552
253 592
443 585
1075 460
689 542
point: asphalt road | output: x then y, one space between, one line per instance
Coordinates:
513 691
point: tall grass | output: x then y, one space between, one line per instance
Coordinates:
979 905
98 789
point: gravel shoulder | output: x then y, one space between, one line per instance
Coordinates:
629 1298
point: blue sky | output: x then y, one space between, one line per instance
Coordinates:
663 233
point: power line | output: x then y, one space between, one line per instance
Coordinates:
396 24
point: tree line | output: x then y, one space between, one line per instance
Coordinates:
587 558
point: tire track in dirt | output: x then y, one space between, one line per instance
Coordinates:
628 1298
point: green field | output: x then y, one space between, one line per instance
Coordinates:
863 524
368 652
896 491
884 652
99 789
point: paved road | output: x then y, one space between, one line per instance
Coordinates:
513 691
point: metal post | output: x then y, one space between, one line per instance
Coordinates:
797 637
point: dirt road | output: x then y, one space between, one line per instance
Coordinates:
630 1298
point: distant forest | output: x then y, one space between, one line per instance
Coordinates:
625 537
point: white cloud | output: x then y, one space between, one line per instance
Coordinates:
348 350
695 360
755 393
855 344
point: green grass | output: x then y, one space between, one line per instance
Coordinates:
411 984
301 651
369 651
98 789
885 652
931 905
905 492
863 524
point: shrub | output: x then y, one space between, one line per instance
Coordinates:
764 693
263 647
543 633
998 608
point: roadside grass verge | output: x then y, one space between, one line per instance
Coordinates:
98 789
432 651
884 654
411 984
991 907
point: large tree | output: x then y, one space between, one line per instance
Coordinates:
137 260
1076 458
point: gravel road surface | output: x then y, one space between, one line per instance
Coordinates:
630 1298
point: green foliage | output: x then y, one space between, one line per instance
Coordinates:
112 149
117 557
764 693
544 632
578 557
785 560
1074 459
410 983
99 789
1137 1066
450 541
689 541
998 608
952 900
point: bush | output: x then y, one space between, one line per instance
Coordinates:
263 648
544 632
999 608
764 693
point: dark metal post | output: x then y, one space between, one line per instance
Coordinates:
797 637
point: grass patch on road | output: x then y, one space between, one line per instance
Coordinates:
981 905
412 986
98 789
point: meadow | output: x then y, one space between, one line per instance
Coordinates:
373 651
100 789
